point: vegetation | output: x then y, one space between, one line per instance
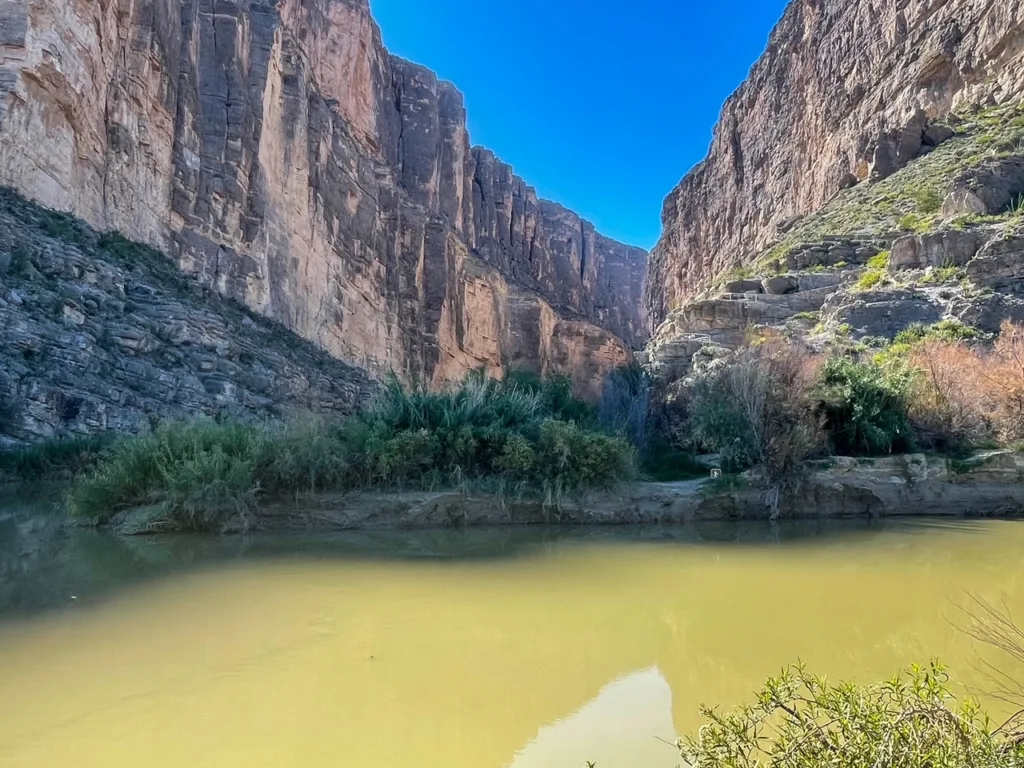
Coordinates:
799 720
910 199
54 459
756 411
864 406
522 435
774 404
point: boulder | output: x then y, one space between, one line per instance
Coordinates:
744 286
987 313
895 149
1000 264
883 313
935 249
781 285
848 182
986 190
936 134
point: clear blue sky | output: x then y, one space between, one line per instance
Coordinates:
602 105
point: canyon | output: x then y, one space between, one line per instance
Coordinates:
867 176
282 157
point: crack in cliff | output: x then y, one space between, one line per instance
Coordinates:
583 251
400 147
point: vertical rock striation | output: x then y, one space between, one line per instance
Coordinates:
842 94
279 153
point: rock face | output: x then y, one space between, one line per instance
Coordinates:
845 87
101 334
281 155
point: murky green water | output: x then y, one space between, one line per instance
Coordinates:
480 649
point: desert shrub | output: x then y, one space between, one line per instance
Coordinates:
799 720
928 200
948 405
307 455
880 261
944 330
870 279
570 457
1001 377
967 395
755 410
864 406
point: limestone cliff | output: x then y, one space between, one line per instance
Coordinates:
278 152
842 95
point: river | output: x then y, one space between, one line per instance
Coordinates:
540 648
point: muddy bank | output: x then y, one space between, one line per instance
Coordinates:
913 485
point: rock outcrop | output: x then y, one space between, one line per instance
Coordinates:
846 92
102 334
279 153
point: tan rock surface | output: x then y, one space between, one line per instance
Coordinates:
845 86
281 155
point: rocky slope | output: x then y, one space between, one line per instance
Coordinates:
102 334
281 155
939 241
843 97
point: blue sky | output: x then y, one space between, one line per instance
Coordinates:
602 105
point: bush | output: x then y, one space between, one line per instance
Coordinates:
184 466
948 404
1001 375
864 406
799 720
870 279
203 475
756 410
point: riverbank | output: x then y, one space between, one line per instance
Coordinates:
988 485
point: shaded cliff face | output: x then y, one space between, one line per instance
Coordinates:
280 154
842 94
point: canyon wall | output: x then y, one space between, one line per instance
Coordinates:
279 153
842 94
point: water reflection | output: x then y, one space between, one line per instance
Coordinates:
44 563
628 723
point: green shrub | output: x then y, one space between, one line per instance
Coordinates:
799 720
928 200
913 222
570 458
54 459
161 467
879 260
864 406
203 475
870 279
944 330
